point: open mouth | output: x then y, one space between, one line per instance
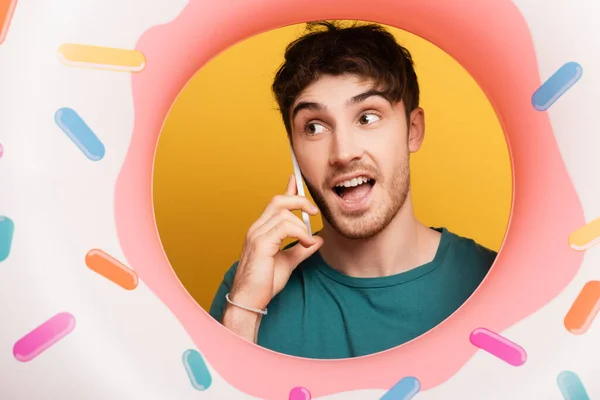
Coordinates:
354 190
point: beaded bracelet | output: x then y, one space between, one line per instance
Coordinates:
256 310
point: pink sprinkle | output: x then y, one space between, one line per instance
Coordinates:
1 150
44 336
499 346
300 393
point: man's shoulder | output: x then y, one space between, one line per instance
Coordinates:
467 248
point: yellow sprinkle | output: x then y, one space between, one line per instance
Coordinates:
586 236
81 55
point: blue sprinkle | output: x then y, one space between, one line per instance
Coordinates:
405 389
80 133
571 387
197 370
556 86
7 227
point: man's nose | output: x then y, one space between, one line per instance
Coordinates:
345 147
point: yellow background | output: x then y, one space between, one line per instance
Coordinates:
223 154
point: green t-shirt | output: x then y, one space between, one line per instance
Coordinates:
322 313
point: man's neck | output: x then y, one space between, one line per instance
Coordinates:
403 245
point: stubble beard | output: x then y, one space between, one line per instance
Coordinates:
366 224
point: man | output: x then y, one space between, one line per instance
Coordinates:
374 277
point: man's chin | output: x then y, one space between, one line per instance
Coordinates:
358 233
357 226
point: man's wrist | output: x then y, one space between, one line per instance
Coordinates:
241 322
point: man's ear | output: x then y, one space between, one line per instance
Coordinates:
416 129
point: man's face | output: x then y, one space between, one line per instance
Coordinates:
353 149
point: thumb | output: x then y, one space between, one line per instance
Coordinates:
298 253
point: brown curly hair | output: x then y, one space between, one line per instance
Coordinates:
365 50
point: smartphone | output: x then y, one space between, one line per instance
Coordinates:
300 188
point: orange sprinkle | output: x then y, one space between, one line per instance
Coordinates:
584 309
111 269
7 8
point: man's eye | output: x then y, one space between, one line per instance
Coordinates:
314 128
369 118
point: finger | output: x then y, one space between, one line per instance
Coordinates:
291 187
291 202
272 239
285 202
282 215
287 229
291 190
293 256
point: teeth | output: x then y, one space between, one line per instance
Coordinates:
354 182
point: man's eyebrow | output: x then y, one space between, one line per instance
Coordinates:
359 98
305 105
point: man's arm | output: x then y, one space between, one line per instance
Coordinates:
241 322
264 268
